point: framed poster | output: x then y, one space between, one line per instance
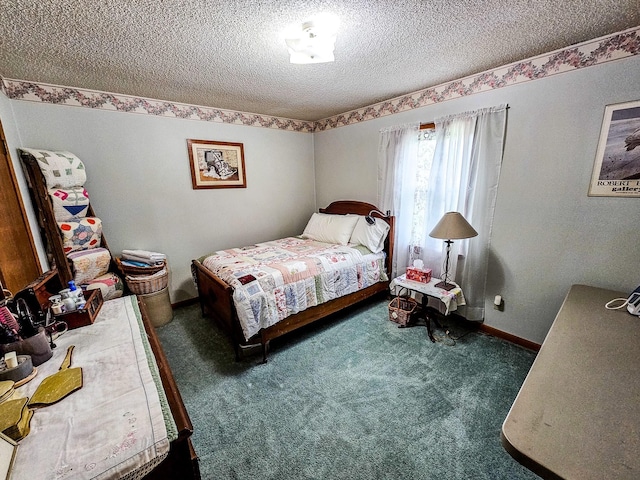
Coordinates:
216 164
616 171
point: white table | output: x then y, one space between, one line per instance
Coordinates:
445 301
577 415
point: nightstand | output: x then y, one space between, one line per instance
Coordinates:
442 300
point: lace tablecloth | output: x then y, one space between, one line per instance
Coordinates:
445 301
118 424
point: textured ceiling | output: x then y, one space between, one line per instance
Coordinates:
232 55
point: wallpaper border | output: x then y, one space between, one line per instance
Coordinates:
593 52
78 97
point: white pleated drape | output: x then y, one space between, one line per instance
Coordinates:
397 158
464 178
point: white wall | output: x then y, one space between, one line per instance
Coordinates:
548 234
139 180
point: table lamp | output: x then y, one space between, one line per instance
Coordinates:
452 226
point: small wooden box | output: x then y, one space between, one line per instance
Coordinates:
84 316
37 293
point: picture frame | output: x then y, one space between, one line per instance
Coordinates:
216 164
8 450
616 170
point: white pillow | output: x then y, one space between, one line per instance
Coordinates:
371 236
327 228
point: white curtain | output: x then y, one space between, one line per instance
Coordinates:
397 158
464 178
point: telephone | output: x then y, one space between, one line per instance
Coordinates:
632 303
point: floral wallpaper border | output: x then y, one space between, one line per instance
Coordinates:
593 52
45 93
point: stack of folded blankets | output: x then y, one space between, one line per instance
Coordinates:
145 272
144 257
65 175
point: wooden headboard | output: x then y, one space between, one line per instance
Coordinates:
342 207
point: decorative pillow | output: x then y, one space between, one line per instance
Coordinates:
69 203
81 233
371 236
327 228
60 169
110 284
89 264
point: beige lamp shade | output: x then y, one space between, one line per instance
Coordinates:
453 226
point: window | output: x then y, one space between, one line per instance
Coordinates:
426 149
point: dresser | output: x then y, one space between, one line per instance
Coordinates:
128 419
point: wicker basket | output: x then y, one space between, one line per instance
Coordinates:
134 270
144 284
400 310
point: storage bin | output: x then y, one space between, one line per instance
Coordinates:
400 310
158 307
145 284
135 270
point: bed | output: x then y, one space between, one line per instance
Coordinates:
319 273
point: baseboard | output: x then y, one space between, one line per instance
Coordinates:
494 332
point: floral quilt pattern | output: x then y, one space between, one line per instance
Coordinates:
273 280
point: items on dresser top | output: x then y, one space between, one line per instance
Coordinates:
121 387
16 368
57 386
23 319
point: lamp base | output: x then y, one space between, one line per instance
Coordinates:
445 286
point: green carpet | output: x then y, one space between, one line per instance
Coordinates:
353 397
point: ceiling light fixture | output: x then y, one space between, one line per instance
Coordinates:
313 41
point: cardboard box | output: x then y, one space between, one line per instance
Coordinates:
422 275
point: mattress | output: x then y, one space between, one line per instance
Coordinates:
276 279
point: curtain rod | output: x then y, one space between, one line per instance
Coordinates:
425 126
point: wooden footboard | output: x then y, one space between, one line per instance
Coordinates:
216 296
216 301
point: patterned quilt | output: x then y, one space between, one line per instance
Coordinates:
273 280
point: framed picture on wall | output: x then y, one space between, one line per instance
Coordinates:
616 171
216 164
